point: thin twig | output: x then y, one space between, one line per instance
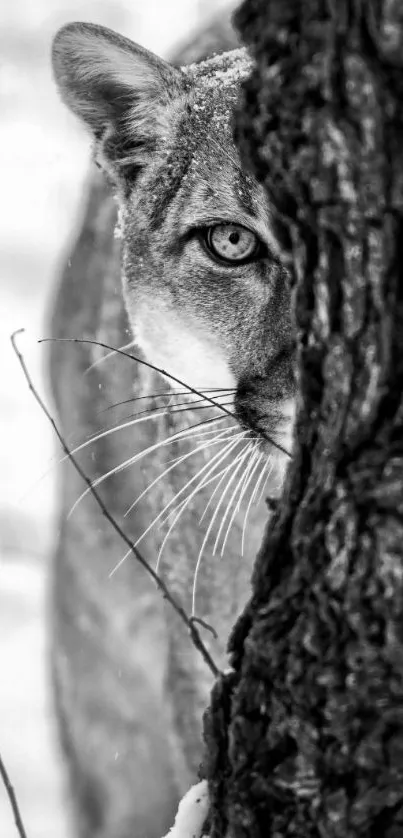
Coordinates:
13 800
194 633
163 372
205 625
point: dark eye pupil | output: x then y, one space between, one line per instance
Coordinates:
234 238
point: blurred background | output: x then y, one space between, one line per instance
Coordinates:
43 162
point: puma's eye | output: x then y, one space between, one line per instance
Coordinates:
231 243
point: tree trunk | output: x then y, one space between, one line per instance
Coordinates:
305 737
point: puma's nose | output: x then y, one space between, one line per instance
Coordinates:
272 420
265 403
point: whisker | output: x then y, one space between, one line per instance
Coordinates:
109 355
177 435
232 478
251 499
224 453
204 433
137 399
221 455
213 420
209 528
242 485
223 472
173 410
113 430
176 463
211 498
181 407
183 505
119 564
135 458
257 456
201 485
171 393
247 469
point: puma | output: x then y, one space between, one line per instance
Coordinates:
193 281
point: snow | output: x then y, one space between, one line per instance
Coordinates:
192 813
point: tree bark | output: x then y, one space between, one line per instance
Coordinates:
304 737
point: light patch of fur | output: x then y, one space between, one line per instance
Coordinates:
180 348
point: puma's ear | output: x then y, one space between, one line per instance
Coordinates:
120 90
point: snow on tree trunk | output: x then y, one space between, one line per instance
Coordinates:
305 737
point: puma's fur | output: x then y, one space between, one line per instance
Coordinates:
130 687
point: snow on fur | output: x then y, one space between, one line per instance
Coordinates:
192 813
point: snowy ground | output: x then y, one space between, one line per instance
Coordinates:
43 158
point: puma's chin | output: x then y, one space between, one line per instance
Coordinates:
274 433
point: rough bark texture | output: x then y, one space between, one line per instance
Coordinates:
305 737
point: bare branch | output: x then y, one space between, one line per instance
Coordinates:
190 623
13 800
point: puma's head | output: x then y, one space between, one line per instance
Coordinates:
207 298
